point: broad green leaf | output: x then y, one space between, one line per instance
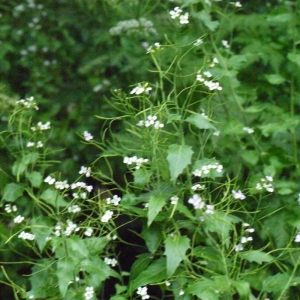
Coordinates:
141 177
76 247
65 273
250 156
152 236
279 18
173 117
205 17
276 283
140 264
200 122
12 192
275 79
294 57
53 197
35 178
156 203
256 256
95 245
179 156
175 249
154 273
204 289
243 288
41 228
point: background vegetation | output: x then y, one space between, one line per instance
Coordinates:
221 78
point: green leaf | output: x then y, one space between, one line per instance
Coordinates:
35 178
275 79
140 264
276 283
141 177
153 236
65 273
12 192
256 256
250 156
175 249
179 156
53 198
41 228
154 273
243 288
156 203
279 18
95 245
205 17
294 57
204 289
200 121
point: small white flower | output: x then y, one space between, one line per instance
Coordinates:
245 239
198 42
198 186
236 4
8 208
297 238
225 44
175 13
26 236
141 88
238 247
181 292
71 227
61 185
196 201
39 144
142 291
30 144
88 231
50 180
115 200
89 293
107 216
184 19
238 195
248 130
74 209
167 283
18 219
86 171
110 261
87 136
210 209
174 200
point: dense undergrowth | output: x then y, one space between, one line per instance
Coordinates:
149 150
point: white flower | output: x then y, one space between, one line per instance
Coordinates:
110 261
225 44
18 219
61 185
248 130
71 227
236 4
250 230
196 201
74 209
89 293
297 238
266 183
42 126
198 186
175 13
184 19
198 42
174 200
238 195
107 216
115 200
142 291
26 236
8 208
139 89
86 171
39 144
238 247
210 209
30 144
245 239
87 136
88 231
181 292
138 161
50 180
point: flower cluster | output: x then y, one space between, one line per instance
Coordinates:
69 229
212 85
177 13
141 88
141 27
174 200
10 208
115 200
86 171
266 183
142 291
151 49
110 261
206 170
89 293
74 209
238 195
41 126
87 136
88 231
107 216
248 130
39 144
81 185
138 161
26 236
18 219
198 186
198 203
28 103
244 239
151 121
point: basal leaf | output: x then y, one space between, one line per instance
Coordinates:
179 156
175 249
